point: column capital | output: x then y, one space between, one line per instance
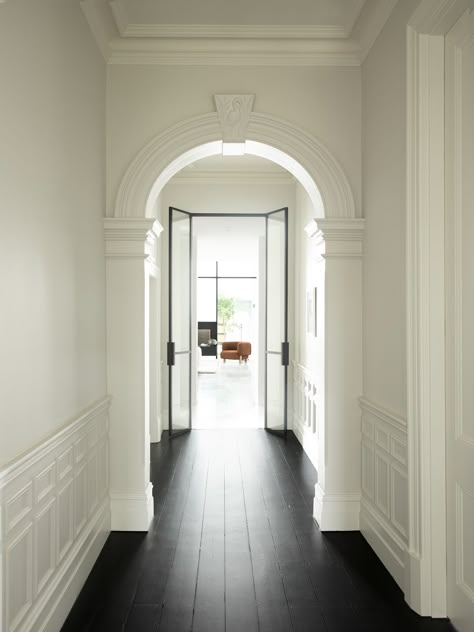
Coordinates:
130 237
342 238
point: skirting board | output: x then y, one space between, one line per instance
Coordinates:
336 512
388 546
53 609
132 512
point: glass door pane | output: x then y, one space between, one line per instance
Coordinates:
179 341
276 343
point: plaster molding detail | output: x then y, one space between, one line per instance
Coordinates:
201 136
130 237
124 42
233 52
229 31
234 112
99 25
340 238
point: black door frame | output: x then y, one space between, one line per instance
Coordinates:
285 351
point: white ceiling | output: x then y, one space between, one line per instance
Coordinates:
340 14
243 32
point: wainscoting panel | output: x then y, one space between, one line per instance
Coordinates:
305 410
54 519
384 507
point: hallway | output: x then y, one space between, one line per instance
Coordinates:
233 547
227 398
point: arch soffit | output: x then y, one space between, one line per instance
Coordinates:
201 136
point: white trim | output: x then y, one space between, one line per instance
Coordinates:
131 511
52 610
388 545
232 31
425 323
425 581
336 512
293 148
234 52
49 484
370 24
384 414
305 410
20 465
97 25
122 42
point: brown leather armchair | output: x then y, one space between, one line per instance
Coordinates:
236 351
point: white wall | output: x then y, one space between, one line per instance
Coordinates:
52 130
384 190
145 100
54 499
384 510
307 392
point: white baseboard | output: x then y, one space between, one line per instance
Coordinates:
132 512
336 512
389 547
308 441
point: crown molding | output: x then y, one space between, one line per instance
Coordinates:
436 17
122 42
101 23
232 31
370 24
221 52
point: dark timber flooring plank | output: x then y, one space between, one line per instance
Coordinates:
233 547
209 606
178 601
241 605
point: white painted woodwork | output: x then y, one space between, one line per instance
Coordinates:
384 480
337 493
291 147
54 519
459 319
335 34
130 264
305 410
426 574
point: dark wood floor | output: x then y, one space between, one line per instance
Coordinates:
233 547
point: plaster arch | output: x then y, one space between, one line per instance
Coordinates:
269 137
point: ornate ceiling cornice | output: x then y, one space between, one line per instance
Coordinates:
122 42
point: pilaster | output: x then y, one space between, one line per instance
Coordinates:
339 247
129 247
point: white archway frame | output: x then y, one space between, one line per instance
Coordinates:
130 236
269 137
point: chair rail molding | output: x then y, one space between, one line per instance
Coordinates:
54 520
425 573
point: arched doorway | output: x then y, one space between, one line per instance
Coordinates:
133 277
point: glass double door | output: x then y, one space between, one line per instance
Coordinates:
276 348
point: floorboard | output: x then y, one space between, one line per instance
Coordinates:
233 547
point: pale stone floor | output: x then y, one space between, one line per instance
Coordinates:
226 395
